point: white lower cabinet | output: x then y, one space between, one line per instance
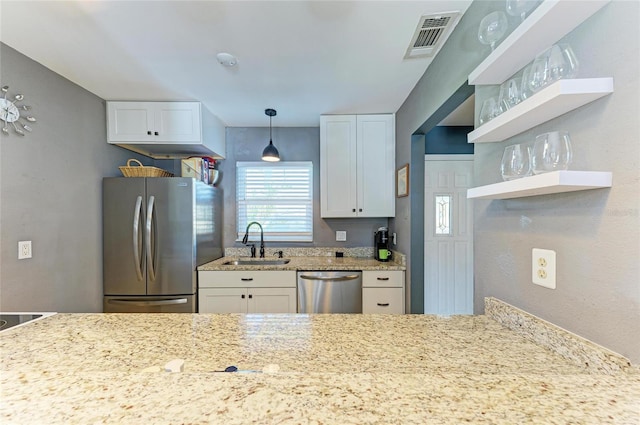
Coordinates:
247 292
383 292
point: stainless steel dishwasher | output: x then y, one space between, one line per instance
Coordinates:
329 292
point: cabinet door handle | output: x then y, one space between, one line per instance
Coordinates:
149 133
242 296
353 210
382 278
360 210
383 304
156 133
246 279
250 296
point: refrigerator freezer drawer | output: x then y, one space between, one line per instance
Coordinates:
173 304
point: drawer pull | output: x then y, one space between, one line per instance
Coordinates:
383 278
383 304
246 279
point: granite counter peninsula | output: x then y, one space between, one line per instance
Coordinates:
310 369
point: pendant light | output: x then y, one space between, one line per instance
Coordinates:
270 153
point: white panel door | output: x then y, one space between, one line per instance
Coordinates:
222 300
448 244
376 165
130 121
272 300
338 166
178 122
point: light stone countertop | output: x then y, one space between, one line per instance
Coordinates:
333 369
306 263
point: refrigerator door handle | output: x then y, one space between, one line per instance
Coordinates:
136 239
149 236
148 303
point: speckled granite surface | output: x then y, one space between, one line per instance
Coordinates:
361 252
308 263
333 369
570 346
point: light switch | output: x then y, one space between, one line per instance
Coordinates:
341 235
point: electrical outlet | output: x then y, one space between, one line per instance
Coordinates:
24 250
543 267
341 235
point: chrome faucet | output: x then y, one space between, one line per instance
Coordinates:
253 247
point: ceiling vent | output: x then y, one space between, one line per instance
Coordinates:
431 33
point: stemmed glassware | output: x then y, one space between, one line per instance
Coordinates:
492 28
520 7
551 152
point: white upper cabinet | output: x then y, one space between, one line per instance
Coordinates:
165 129
357 163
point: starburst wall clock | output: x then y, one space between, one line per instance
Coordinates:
10 113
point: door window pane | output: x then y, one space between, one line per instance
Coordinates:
443 214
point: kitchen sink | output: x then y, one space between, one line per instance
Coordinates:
257 262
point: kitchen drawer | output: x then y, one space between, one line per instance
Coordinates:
382 279
247 279
383 300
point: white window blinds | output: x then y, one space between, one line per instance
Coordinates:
279 196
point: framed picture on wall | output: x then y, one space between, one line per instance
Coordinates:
402 181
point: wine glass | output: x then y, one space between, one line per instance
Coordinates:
538 74
520 7
510 94
551 152
525 89
557 62
490 109
492 28
516 162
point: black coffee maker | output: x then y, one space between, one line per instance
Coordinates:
381 250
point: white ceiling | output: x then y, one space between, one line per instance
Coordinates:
302 58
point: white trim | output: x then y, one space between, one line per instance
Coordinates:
462 157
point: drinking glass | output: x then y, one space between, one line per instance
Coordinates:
525 89
510 94
557 62
551 152
538 74
520 7
492 28
490 109
516 162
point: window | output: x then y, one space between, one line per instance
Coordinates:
279 196
443 214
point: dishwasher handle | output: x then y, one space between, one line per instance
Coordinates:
333 279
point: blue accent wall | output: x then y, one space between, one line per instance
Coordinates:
443 140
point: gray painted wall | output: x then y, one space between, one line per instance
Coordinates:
449 71
50 193
596 234
294 144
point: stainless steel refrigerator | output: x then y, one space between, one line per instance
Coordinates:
156 232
